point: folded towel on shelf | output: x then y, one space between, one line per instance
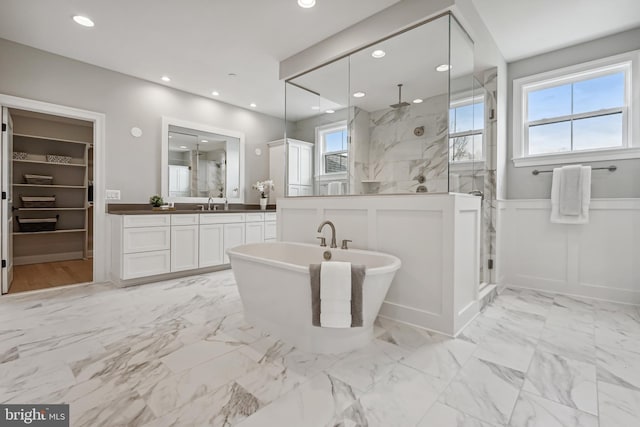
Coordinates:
571 195
331 318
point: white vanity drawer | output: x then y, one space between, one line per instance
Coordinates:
146 239
221 218
270 216
254 217
269 230
185 219
157 220
145 264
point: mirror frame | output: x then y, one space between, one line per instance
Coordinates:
164 160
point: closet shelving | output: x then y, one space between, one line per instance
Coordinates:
69 186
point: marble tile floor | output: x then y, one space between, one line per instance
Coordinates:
178 353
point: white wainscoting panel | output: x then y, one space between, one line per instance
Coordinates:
435 236
600 259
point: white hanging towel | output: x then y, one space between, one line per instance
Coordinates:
571 194
334 188
335 294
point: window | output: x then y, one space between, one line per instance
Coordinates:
466 127
580 113
333 147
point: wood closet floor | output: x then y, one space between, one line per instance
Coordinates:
50 275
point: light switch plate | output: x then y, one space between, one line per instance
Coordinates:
113 195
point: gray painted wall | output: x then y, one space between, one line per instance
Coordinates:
132 164
625 182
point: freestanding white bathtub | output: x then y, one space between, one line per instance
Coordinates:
273 280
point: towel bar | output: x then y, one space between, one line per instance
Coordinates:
611 168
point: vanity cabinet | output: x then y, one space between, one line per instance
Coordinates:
146 245
153 245
211 245
184 242
233 236
254 228
270 226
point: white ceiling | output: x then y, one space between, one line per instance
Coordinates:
195 42
199 42
523 28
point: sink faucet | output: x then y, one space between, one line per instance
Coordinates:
333 232
209 203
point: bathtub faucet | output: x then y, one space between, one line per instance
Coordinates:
333 232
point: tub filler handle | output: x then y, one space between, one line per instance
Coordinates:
344 244
323 241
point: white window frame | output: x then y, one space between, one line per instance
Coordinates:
320 153
630 149
466 164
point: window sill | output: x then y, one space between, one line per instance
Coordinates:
587 156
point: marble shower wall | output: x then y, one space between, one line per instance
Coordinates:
398 158
360 134
489 204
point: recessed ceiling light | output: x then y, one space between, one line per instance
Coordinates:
183 146
315 107
166 79
359 95
252 105
306 3
443 67
232 75
84 21
417 101
378 53
215 93
329 111
203 140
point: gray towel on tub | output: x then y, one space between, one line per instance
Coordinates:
357 279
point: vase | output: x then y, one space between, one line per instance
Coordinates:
263 203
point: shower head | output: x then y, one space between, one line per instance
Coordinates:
400 103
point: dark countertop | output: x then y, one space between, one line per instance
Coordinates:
181 208
184 211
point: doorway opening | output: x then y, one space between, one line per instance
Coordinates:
52 200
48 174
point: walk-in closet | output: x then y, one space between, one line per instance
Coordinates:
51 201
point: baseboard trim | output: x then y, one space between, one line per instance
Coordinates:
413 316
167 276
620 296
37 259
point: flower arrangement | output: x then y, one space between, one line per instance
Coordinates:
263 187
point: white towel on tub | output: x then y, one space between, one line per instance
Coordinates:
571 195
335 294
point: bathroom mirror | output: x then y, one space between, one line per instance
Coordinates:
378 117
199 162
